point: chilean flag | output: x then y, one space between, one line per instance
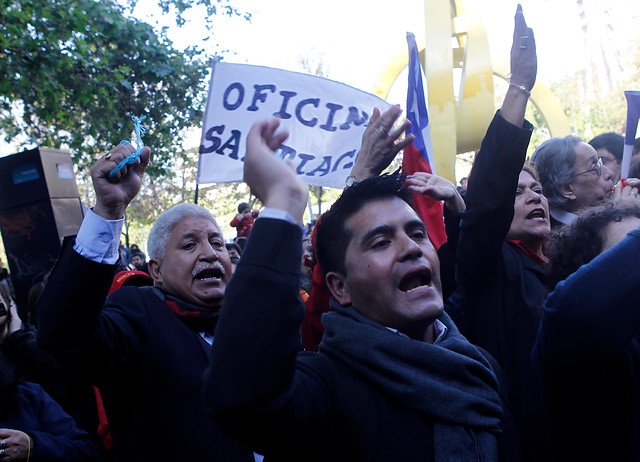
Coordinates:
633 114
418 156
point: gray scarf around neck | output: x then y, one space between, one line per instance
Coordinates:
449 381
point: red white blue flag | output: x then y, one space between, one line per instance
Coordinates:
418 156
633 113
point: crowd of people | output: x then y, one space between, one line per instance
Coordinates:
517 340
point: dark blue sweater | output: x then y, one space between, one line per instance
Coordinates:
588 351
54 434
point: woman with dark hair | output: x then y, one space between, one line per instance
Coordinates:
588 345
500 254
595 231
32 424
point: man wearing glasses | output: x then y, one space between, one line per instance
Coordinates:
573 177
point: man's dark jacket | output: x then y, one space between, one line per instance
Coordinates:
146 362
294 405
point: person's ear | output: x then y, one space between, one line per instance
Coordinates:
566 190
154 267
338 287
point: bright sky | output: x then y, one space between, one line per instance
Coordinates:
356 39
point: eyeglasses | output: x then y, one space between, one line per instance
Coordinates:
597 168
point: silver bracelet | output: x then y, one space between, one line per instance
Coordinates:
522 88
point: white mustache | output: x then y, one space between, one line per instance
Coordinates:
205 266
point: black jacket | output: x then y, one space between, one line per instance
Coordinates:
146 362
498 302
294 405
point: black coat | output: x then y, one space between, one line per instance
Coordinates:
294 405
146 362
498 302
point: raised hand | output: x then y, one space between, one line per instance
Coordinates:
524 68
438 188
379 144
524 61
272 181
114 193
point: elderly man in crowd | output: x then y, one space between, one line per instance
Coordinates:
145 347
573 177
393 380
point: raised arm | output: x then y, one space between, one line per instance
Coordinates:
524 68
70 305
113 194
494 178
253 377
380 143
276 184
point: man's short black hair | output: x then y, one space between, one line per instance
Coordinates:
242 206
332 238
612 142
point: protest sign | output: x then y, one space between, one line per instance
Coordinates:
326 120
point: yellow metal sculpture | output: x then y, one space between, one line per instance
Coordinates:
458 124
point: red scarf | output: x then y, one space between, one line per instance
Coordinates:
529 252
196 318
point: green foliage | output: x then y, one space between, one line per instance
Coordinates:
212 8
73 72
590 117
601 113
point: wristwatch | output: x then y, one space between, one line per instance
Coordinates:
350 181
